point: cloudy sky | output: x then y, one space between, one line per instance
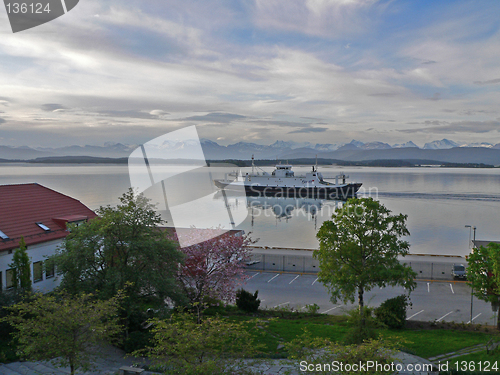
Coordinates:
324 71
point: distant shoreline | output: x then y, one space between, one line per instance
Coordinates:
390 163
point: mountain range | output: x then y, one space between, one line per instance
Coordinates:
443 150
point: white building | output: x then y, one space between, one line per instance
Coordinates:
40 215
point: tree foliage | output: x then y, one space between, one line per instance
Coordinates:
181 345
21 266
392 312
247 301
359 249
483 273
213 268
63 329
121 249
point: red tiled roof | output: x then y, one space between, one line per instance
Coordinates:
23 206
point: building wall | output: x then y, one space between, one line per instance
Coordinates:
37 253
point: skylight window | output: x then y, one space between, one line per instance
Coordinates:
3 236
43 226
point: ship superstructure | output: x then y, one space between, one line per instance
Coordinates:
283 182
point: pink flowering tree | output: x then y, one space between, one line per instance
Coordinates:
213 267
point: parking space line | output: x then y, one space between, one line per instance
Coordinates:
296 277
451 286
333 308
444 316
284 303
315 281
415 314
470 321
428 288
253 276
273 278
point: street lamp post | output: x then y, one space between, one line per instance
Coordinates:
471 289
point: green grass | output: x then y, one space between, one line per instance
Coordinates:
430 343
423 343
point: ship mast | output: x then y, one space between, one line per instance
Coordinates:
253 165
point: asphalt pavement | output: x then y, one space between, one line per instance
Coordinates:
439 300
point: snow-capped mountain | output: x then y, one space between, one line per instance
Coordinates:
375 146
440 145
326 146
290 144
279 149
404 145
477 144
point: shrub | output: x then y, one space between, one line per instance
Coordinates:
312 308
181 345
392 312
247 301
359 333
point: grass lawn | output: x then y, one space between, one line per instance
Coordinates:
424 342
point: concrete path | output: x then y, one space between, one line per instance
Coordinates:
109 363
407 363
465 351
410 365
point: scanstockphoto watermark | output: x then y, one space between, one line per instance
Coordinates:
172 169
173 172
364 367
26 14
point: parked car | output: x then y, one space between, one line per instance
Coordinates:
458 271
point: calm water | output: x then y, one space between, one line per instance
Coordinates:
439 202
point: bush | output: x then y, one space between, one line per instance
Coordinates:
392 312
312 308
359 333
247 301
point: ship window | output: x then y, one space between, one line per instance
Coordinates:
3 236
43 226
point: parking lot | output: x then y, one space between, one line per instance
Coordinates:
432 300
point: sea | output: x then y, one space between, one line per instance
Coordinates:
439 202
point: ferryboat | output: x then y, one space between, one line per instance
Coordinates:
284 183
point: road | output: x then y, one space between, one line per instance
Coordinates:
432 300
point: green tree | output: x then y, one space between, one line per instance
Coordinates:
21 266
63 329
483 274
181 345
359 249
122 249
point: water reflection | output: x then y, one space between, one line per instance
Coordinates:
265 211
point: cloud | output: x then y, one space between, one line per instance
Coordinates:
436 96
490 82
309 130
254 69
216 117
52 107
2 121
456 127
330 19
384 94
137 114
